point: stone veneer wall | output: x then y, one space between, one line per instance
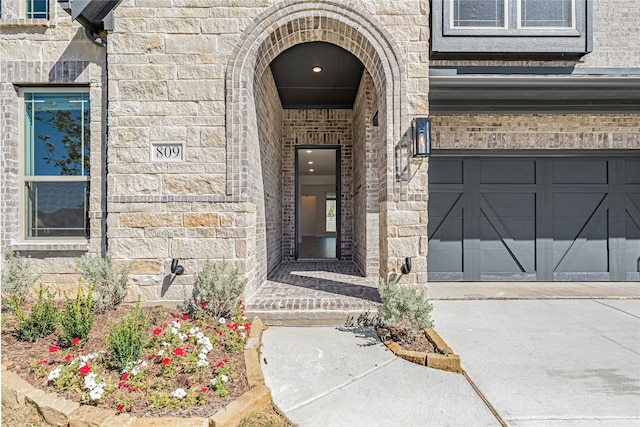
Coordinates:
269 212
41 53
317 127
536 131
366 202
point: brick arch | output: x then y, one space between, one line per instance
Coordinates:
292 22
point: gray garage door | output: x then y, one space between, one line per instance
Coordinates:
533 219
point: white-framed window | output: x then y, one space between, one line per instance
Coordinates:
479 13
37 9
546 13
330 212
55 163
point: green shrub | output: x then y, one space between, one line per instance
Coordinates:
77 319
404 307
42 319
216 291
109 286
126 339
17 277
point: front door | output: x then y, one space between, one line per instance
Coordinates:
317 202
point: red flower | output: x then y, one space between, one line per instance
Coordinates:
247 326
67 357
133 387
222 362
43 362
124 376
120 408
84 369
175 316
53 349
233 326
166 361
157 331
155 356
75 341
80 350
178 351
122 384
204 389
185 316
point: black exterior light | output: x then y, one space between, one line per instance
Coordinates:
176 268
406 267
421 127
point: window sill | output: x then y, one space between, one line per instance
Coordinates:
26 23
54 246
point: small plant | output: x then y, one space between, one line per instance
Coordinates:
109 286
216 291
77 319
404 307
126 340
17 277
42 319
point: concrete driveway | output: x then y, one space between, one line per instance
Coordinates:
550 362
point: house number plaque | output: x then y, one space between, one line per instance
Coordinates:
167 152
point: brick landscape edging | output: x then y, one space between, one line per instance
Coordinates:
449 361
59 411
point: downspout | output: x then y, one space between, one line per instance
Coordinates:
102 42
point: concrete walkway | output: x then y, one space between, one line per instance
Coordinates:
327 376
538 363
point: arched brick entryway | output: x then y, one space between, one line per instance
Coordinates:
275 30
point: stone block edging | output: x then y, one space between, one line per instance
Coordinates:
58 411
444 359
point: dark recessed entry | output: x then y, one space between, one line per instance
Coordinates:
334 85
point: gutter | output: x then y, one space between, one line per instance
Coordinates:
102 42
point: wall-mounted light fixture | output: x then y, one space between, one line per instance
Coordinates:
176 268
406 267
421 127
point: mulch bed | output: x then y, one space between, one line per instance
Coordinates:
405 340
18 356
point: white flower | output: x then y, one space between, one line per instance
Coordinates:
174 330
161 352
222 321
214 381
182 336
203 362
242 335
244 317
193 331
202 355
54 374
241 327
96 393
224 378
179 393
166 344
175 324
200 336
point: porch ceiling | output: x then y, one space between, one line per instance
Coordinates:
333 87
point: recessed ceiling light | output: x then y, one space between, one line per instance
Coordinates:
308 151
316 69
310 163
311 170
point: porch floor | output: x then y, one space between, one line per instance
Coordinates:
314 293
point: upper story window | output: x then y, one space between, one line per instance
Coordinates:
503 27
55 170
478 13
37 9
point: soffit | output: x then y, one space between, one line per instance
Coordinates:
335 86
